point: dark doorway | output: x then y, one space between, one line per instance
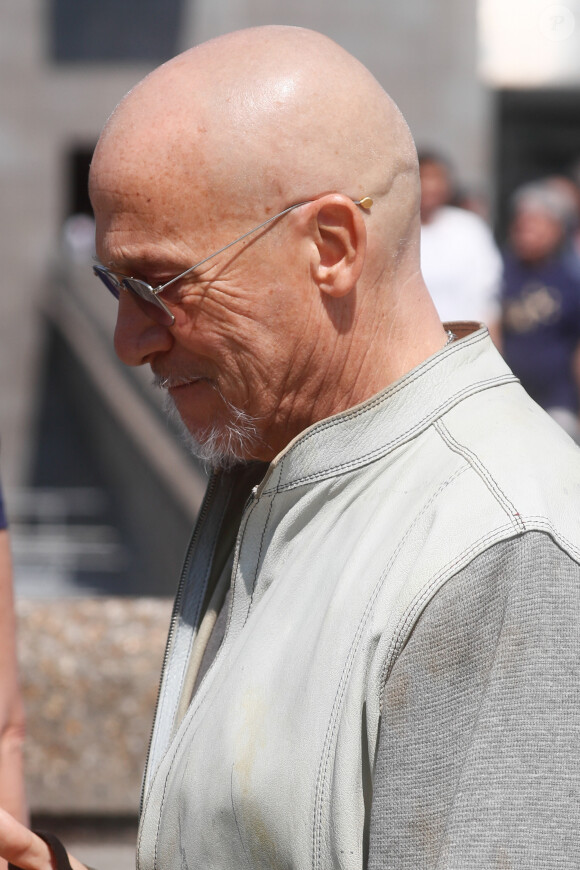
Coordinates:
538 134
78 162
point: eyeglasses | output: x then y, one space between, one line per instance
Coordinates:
148 297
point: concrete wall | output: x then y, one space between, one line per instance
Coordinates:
43 111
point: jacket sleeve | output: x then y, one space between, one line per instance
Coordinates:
478 762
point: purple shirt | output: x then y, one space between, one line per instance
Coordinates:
541 328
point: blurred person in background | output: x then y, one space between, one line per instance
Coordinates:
541 302
566 188
11 708
459 258
568 193
575 177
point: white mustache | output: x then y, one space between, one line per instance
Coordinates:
167 382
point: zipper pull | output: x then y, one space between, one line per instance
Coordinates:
250 499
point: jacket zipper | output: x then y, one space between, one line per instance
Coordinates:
176 609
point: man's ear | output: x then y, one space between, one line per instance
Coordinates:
340 238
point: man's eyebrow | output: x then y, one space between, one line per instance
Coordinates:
147 266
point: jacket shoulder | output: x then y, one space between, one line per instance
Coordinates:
530 464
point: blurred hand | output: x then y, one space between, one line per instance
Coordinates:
24 849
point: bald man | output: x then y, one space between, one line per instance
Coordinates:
373 660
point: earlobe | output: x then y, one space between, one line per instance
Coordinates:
340 243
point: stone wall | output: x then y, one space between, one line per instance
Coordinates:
89 671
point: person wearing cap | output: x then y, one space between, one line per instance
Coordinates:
460 261
374 655
541 302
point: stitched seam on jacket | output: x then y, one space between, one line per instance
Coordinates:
424 423
258 561
198 697
483 472
280 474
408 618
541 523
331 730
185 732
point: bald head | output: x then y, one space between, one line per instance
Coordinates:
270 116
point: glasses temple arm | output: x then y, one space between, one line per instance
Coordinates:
365 202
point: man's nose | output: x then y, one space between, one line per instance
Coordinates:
138 338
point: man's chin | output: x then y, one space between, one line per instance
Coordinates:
222 444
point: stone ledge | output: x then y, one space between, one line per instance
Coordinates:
89 674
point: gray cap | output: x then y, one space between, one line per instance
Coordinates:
547 198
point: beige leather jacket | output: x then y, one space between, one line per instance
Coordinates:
347 538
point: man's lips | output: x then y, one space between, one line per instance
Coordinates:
172 383
172 388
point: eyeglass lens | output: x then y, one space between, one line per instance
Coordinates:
152 309
141 295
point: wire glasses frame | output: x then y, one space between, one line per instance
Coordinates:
148 297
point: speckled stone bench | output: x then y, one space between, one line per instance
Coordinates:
89 672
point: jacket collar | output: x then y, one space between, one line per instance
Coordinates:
398 414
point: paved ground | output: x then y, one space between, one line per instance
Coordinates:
104 856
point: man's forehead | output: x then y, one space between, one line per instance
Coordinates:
139 173
156 222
